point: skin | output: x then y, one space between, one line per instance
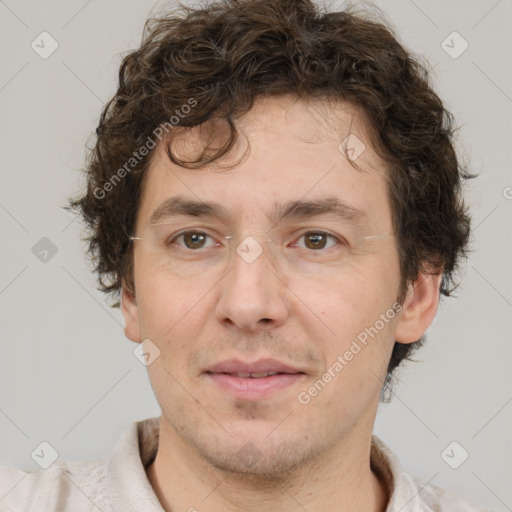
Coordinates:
300 305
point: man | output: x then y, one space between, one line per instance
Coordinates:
275 196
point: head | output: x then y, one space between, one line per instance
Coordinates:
250 104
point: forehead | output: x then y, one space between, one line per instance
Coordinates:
287 150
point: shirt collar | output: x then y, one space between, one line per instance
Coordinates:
403 492
126 480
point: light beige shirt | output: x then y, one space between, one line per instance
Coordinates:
119 482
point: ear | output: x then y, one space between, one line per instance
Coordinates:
130 313
419 308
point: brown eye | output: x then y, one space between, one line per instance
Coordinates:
192 239
316 240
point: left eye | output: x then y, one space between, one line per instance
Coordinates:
317 239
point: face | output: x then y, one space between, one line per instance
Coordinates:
276 280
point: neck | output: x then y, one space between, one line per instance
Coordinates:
339 480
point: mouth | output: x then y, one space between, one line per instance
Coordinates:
254 381
254 375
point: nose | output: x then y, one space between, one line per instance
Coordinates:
252 294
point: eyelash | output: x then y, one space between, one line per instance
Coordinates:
319 232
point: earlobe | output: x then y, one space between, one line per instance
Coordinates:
130 313
419 308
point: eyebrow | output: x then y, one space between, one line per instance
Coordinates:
180 206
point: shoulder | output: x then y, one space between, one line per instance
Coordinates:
437 499
409 493
90 485
77 484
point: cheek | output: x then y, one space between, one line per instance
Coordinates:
341 296
166 304
347 308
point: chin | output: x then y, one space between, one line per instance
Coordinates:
257 461
259 449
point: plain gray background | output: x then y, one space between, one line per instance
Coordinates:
67 373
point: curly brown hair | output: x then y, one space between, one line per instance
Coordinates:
219 58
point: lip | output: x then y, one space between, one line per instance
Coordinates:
224 375
263 365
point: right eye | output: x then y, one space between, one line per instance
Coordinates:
192 240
